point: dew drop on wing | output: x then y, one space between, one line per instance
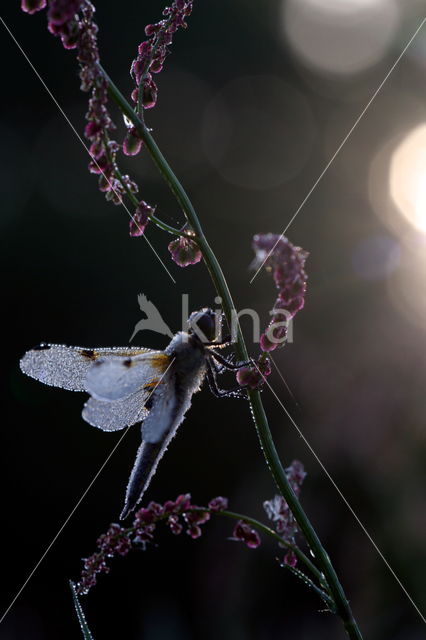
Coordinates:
41 347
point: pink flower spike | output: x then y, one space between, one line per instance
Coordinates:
287 265
31 6
184 251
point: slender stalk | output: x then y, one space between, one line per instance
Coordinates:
133 199
135 202
266 441
263 528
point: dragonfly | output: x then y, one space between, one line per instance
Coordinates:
128 385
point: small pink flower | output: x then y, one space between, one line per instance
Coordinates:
183 501
290 558
31 6
196 517
194 531
140 219
174 524
245 533
218 504
184 251
61 11
132 142
253 377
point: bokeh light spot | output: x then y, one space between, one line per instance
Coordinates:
258 132
376 257
339 36
407 177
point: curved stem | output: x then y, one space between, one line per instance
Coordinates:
135 202
259 526
133 199
261 423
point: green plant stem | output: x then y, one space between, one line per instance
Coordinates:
266 441
133 199
263 528
135 202
80 614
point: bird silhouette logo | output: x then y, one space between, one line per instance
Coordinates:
153 320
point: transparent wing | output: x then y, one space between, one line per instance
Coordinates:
67 367
113 416
111 379
163 415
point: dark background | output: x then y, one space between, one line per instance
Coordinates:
248 126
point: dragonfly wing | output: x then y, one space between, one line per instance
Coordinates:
115 415
110 379
163 414
67 367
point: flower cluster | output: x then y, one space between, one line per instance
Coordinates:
179 515
103 150
62 18
72 21
287 264
152 52
279 512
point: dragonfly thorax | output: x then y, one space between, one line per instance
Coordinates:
188 353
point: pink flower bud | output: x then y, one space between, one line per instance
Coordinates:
31 6
184 251
132 143
245 533
140 219
218 504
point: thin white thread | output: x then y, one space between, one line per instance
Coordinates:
345 139
283 379
83 143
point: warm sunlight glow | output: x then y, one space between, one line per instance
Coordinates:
339 36
407 178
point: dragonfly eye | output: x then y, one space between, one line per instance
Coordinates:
203 324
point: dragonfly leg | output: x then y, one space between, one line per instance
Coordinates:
233 366
237 392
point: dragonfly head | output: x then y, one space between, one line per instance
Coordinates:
203 324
